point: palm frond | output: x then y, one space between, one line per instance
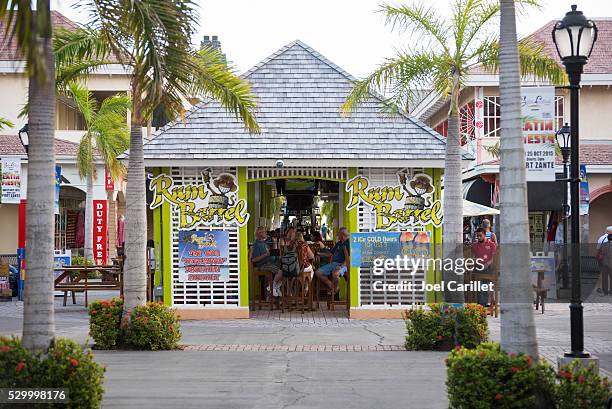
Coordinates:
421 20
214 78
5 123
85 157
84 100
400 76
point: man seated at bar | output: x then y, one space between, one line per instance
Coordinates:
337 267
262 258
484 249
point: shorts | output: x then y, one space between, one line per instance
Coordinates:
327 269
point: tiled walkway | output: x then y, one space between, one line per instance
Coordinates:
295 348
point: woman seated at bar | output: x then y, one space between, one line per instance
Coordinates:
262 258
331 273
307 254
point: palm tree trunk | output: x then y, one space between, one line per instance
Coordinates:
453 198
135 276
89 255
38 318
518 332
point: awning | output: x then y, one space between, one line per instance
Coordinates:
471 209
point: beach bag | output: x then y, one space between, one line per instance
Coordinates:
289 264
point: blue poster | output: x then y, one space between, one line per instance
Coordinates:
366 247
58 178
203 256
584 191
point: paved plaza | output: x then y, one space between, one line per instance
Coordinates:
294 362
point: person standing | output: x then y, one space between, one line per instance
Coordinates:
324 231
484 249
486 225
604 260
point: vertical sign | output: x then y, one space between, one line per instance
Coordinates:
11 180
99 231
584 191
110 183
538 112
58 179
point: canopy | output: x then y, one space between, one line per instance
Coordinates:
475 209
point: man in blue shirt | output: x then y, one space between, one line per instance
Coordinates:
330 274
263 260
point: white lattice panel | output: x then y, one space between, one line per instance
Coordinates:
313 172
367 222
204 293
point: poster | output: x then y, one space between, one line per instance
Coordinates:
203 256
108 180
11 181
99 231
58 180
538 112
584 191
60 260
366 247
410 203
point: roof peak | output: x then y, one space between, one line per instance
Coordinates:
306 47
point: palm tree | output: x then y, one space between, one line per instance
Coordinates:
33 34
153 39
107 136
449 50
518 332
5 123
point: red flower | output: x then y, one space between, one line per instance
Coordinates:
439 337
108 315
457 348
581 379
171 328
74 362
5 348
529 360
93 312
514 369
513 355
482 354
566 375
20 366
498 396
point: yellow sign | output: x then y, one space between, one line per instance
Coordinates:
407 204
213 202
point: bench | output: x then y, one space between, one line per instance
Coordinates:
75 279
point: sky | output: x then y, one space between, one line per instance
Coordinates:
350 33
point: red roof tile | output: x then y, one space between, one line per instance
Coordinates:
590 154
8 45
11 145
600 61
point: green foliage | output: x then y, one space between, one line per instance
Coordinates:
581 388
81 261
442 327
104 321
66 365
152 326
487 378
5 123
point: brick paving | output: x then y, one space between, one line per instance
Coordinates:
293 348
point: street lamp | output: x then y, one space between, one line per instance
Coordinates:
564 142
574 37
23 135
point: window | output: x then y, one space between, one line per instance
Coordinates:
492 116
466 123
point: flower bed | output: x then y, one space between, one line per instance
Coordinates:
443 327
151 326
66 365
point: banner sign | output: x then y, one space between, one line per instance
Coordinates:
366 247
203 256
58 180
584 191
538 112
109 182
11 180
99 231
408 204
214 202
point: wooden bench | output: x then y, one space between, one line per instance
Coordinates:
75 279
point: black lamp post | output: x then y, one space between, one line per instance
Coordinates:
23 135
574 37
564 142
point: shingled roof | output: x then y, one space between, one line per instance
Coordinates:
10 145
300 93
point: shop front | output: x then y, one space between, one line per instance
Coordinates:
213 184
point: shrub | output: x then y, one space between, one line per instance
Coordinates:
66 365
485 378
442 327
104 321
152 326
581 388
